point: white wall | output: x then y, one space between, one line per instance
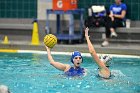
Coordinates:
42 6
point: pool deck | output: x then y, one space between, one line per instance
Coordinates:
123 48
127 43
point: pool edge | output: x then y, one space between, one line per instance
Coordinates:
61 53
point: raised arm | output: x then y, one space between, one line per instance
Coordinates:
92 50
57 65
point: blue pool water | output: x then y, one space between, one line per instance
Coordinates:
32 73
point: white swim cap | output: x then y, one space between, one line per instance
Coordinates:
106 59
4 89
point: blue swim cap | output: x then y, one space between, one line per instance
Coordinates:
74 54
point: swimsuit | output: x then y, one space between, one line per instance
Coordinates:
100 75
75 72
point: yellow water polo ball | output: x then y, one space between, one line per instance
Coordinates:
50 40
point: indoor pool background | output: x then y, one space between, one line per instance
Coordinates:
32 73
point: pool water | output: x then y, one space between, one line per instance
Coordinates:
32 73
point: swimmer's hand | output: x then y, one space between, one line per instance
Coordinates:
86 32
47 48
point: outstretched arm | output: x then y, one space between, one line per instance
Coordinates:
57 65
92 50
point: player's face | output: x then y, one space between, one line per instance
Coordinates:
117 1
77 61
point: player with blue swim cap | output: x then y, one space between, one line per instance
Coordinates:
69 70
76 70
74 54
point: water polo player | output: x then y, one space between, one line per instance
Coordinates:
74 70
102 62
